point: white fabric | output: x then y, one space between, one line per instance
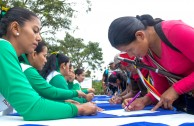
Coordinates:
171 120
3 103
51 75
24 66
87 83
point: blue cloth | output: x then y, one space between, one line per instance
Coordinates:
114 107
108 106
32 125
144 124
187 124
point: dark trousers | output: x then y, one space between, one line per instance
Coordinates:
185 103
189 104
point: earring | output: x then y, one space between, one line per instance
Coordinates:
17 34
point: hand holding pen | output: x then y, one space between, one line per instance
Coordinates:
133 99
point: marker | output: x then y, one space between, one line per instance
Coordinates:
133 99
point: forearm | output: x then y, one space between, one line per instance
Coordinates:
123 93
185 85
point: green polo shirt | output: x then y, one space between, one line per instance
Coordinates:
17 90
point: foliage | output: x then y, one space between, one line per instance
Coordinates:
87 56
97 85
54 14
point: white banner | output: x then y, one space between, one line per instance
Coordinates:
87 83
3 103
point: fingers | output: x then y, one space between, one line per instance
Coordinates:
165 103
81 94
168 105
125 102
112 100
159 104
129 108
99 109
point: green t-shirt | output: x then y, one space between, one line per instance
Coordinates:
45 89
58 80
75 85
17 90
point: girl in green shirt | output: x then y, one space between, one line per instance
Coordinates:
79 78
73 83
32 62
55 70
20 30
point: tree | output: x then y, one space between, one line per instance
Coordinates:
54 14
87 56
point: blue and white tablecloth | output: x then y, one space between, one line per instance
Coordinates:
113 115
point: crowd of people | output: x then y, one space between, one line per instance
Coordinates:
32 83
123 80
166 46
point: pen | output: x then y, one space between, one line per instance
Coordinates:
135 97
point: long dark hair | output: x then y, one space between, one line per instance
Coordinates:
20 15
122 30
53 63
79 71
120 76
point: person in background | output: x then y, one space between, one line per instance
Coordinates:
20 33
34 62
134 82
70 78
121 66
55 70
107 72
117 82
79 78
138 37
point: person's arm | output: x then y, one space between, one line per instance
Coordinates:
85 91
182 37
75 86
45 89
23 98
60 82
180 63
123 93
103 82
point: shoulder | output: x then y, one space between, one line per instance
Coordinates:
52 75
75 82
170 25
8 55
5 43
171 22
178 32
25 66
7 48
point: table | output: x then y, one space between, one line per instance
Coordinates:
112 116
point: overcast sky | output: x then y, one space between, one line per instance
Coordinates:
93 26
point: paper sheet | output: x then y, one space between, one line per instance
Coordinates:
101 102
122 112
